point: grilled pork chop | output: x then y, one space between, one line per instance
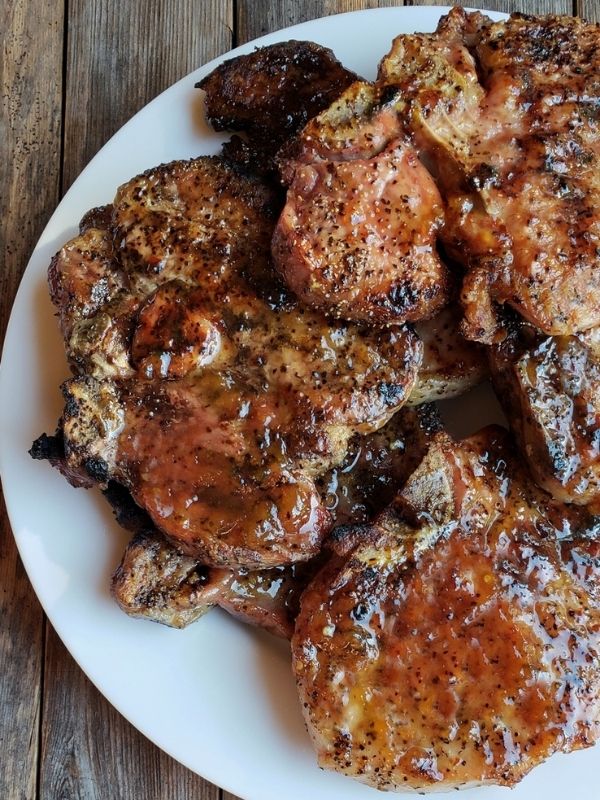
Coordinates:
357 235
269 95
156 581
202 386
550 389
456 641
506 116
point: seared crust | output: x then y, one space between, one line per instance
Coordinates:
155 581
516 157
451 364
94 300
271 93
550 390
377 465
357 236
232 398
459 650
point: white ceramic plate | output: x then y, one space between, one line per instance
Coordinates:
218 696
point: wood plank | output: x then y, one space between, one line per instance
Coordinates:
30 132
509 6
589 9
20 671
257 17
119 56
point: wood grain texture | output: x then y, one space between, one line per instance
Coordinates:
588 9
20 672
121 55
30 70
257 17
509 6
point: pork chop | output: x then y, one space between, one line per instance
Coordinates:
505 115
456 641
550 389
230 397
156 581
269 95
357 236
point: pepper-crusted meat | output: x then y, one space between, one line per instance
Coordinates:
156 581
456 641
234 398
451 364
377 465
357 235
506 115
269 94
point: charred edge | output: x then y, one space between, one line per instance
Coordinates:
48 448
392 393
99 217
403 297
127 513
97 469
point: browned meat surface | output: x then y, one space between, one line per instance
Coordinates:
93 298
506 115
358 125
462 648
156 581
271 93
377 465
550 390
230 398
357 236
451 364
268 598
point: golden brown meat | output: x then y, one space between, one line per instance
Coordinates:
234 397
357 236
155 581
158 582
94 299
516 158
269 94
457 640
550 390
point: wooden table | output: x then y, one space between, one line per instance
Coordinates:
73 72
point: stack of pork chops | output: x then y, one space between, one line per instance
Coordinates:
258 340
